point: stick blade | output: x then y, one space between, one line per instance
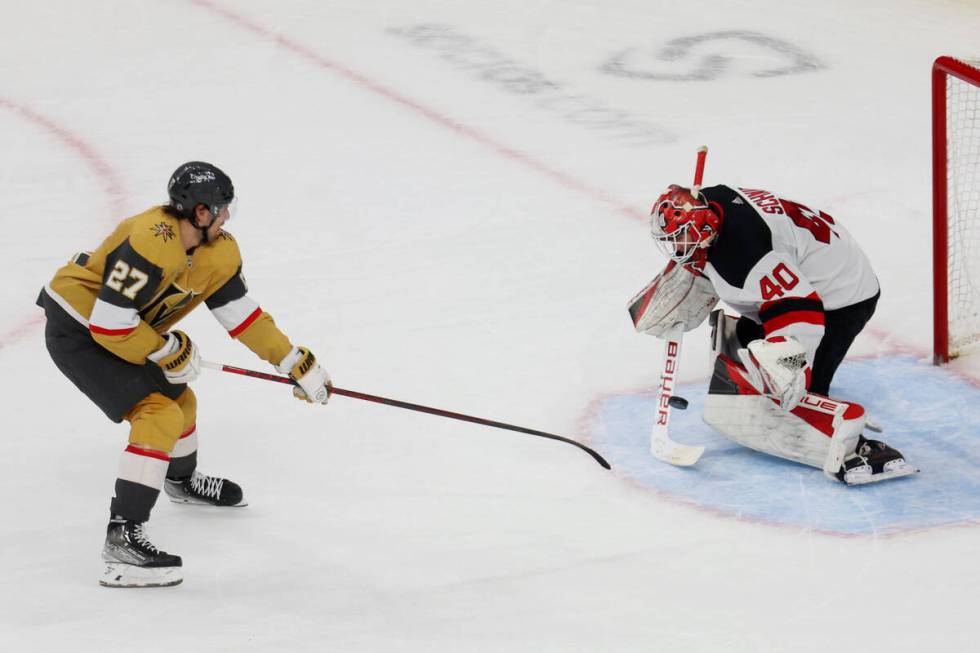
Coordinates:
675 453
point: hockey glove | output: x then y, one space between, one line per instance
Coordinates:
178 358
675 296
777 366
312 381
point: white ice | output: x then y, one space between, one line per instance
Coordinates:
445 201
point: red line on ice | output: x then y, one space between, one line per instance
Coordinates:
562 178
109 180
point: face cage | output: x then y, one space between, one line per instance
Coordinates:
668 243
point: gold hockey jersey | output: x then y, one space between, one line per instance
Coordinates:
140 282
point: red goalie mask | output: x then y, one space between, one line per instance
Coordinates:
681 224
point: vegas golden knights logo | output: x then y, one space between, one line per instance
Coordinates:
163 230
169 303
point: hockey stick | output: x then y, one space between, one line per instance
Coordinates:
404 404
699 170
661 446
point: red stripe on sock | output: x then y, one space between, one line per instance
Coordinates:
150 453
110 332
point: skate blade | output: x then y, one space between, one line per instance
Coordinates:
197 502
120 574
895 471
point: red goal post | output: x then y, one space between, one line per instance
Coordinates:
955 206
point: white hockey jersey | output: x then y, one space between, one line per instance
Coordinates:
782 264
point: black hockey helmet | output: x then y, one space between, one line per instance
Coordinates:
196 183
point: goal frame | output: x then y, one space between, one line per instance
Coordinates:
943 68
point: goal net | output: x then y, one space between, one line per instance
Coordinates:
956 206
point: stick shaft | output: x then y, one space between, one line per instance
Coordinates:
410 406
699 167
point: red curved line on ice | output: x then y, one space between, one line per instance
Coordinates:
106 175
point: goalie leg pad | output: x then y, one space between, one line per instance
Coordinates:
752 421
805 435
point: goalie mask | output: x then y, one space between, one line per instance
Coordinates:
682 224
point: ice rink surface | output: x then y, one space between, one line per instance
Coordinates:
446 201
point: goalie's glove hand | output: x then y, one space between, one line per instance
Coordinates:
676 296
179 359
777 366
312 381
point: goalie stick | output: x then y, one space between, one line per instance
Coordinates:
662 447
404 404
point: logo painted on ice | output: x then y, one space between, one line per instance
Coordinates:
485 63
710 56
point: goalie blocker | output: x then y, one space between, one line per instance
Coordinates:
819 431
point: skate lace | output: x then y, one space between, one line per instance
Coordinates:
207 486
140 537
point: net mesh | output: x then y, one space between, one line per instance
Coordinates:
963 197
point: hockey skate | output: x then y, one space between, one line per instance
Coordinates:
204 490
131 560
873 461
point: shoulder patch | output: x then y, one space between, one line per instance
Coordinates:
163 230
155 236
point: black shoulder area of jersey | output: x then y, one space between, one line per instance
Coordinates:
129 279
744 237
232 289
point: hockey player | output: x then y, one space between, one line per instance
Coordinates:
804 290
110 317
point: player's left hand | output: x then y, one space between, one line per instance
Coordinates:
313 384
778 367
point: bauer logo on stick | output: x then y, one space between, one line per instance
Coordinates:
667 382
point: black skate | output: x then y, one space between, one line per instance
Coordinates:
201 489
873 461
131 560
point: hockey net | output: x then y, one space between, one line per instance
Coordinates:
956 206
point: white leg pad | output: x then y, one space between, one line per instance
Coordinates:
804 435
842 444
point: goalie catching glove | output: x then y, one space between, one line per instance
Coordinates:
179 359
777 367
676 296
312 381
